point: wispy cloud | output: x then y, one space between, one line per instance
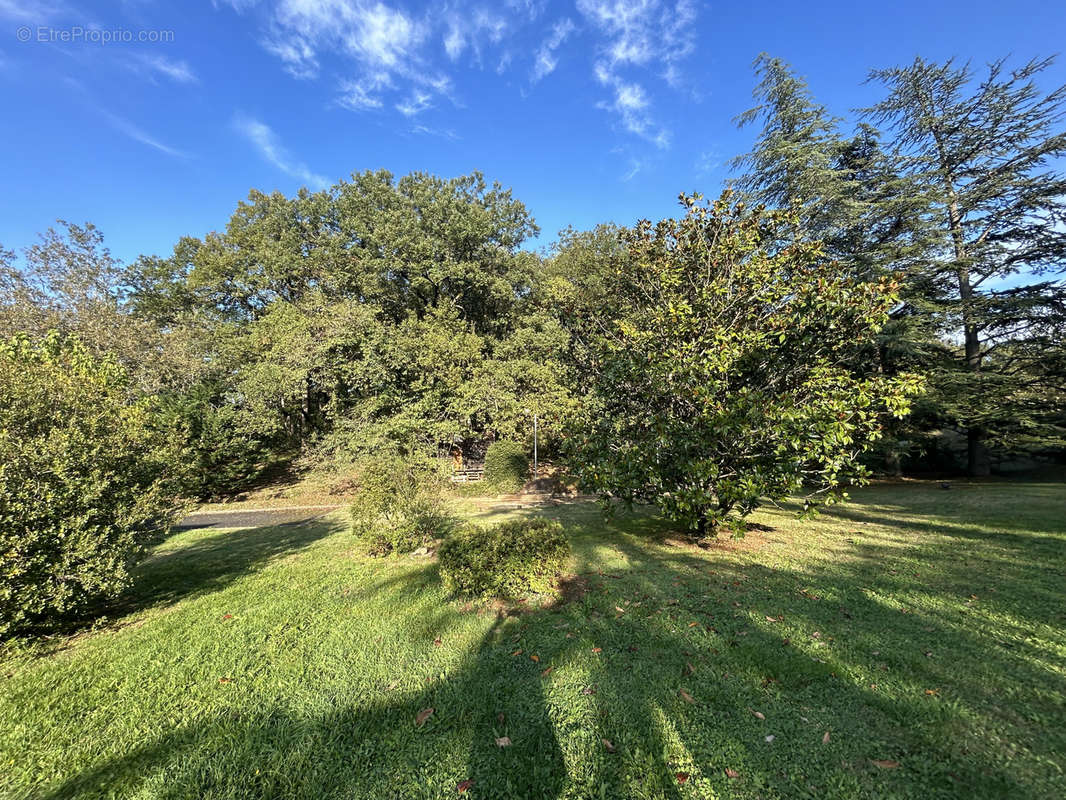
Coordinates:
177 71
631 104
124 126
425 130
546 61
269 147
470 28
639 34
418 102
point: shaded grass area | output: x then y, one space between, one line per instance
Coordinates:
915 626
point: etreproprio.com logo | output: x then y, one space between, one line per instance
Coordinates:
77 34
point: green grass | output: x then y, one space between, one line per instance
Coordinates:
915 625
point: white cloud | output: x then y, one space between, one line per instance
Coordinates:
546 61
471 28
268 145
126 127
418 102
363 93
640 34
177 71
631 104
423 130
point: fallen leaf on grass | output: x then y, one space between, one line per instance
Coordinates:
825 739
607 744
731 773
462 786
589 690
422 716
687 697
437 641
689 669
757 714
693 624
503 741
227 616
932 691
884 764
545 672
682 777
225 680
597 649
534 658
517 652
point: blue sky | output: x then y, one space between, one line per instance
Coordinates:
591 110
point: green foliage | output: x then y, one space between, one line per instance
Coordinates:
506 466
719 379
400 505
84 481
505 560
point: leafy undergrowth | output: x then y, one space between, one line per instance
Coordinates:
909 644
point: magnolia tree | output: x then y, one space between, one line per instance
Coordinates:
719 371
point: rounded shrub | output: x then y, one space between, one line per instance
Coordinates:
400 505
85 481
506 466
505 560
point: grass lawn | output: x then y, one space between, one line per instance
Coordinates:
909 644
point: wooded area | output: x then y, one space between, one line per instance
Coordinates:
857 302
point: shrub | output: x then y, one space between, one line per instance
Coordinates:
400 505
506 466
84 481
505 560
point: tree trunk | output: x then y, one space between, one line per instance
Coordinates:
977 464
701 524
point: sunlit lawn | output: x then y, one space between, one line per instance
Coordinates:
910 644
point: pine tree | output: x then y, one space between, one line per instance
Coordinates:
984 155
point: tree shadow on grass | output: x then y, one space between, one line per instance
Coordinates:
213 560
666 655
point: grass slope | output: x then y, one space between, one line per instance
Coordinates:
915 626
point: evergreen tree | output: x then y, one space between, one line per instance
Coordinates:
984 154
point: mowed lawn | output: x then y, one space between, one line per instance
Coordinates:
910 644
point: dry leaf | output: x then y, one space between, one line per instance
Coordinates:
619 609
687 697
545 672
422 716
731 773
758 714
884 764
589 690
534 658
693 624
503 741
227 616
932 691
437 641
597 649
825 739
689 668
682 777
462 786
607 744
225 680
517 652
